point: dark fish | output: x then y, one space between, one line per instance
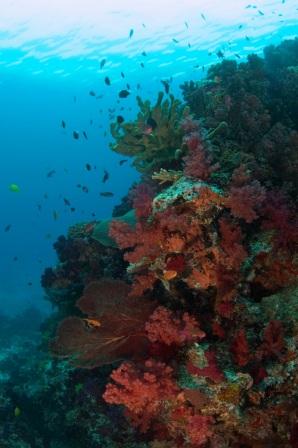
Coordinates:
55 215
66 202
106 176
261 13
237 55
203 17
220 54
63 124
131 33
175 40
189 45
85 135
29 283
39 207
122 74
166 85
91 122
121 162
88 167
120 119
72 209
240 26
107 81
76 135
79 186
247 38
138 86
46 196
85 189
143 25
51 173
144 53
102 63
123 93
186 24
142 65
7 228
92 93
128 86
152 123
15 258
106 194
93 215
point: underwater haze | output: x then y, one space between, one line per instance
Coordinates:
148 225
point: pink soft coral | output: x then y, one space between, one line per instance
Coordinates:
143 391
163 326
197 162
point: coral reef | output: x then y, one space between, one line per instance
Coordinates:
179 315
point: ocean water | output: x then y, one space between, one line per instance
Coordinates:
50 54
62 66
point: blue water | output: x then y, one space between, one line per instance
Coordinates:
49 62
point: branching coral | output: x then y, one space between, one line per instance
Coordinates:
154 138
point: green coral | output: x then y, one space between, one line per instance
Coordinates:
158 148
101 229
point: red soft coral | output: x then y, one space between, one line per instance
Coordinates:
240 349
143 391
142 201
197 162
198 429
246 201
164 327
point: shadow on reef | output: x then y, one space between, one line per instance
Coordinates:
180 313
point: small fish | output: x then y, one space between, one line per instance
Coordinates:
203 17
46 196
143 25
85 189
55 215
120 119
166 85
142 65
220 54
247 38
175 41
7 228
106 194
99 97
74 99
240 26
128 86
186 24
88 167
237 55
92 93
189 45
66 202
39 207
102 63
106 176
92 323
17 411
144 53
14 188
121 162
85 135
91 122
131 33
72 209
152 123
15 258
261 12
29 283
123 93
76 135
138 86
123 75
107 81
79 186
63 124
51 173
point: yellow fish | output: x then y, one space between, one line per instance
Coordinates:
14 188
17 411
